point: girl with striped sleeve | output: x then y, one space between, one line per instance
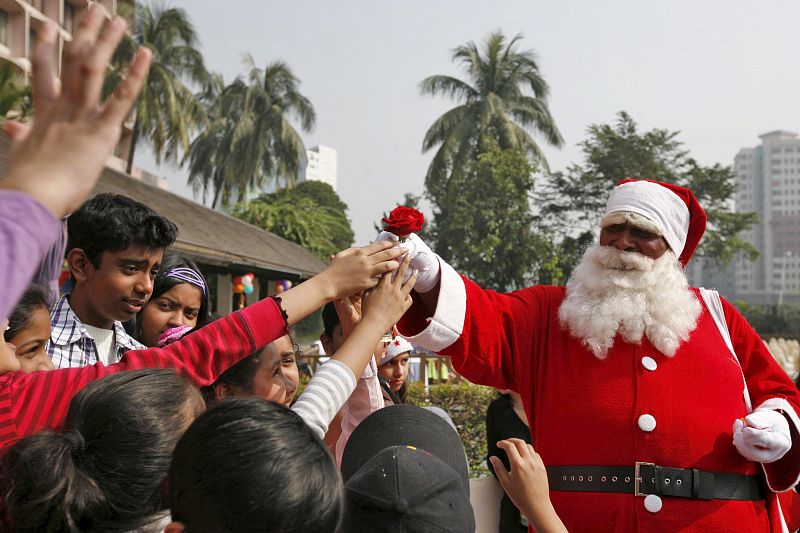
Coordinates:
36 401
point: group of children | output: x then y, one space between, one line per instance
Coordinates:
124 407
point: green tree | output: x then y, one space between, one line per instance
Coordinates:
15 95
210 151
488 232
319 191
322 230
504 97
266 147
167 111
573 201
322 194
249 141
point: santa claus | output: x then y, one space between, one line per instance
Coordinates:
644 416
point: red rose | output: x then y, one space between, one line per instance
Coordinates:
404 220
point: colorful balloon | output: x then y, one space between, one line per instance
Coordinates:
238 288
248 289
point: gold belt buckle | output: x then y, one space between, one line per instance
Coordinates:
637 477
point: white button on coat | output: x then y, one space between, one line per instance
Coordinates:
649 363
647 423
653 503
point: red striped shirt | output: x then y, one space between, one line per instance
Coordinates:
37 401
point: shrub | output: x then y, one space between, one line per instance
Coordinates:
466 404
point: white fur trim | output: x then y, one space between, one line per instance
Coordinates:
656 203
447 323
620 217
398 346
781 405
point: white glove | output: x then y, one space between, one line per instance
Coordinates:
423 260
765 438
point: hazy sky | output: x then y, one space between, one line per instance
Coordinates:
722 72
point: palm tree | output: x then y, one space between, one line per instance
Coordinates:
210 153
265 145
167 111
249 139
504 97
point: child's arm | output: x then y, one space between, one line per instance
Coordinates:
526 485
335 381
367 396
40 400
349 272
55 163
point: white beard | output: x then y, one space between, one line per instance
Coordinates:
612 292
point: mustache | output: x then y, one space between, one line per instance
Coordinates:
615 259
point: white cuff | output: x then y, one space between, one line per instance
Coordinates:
780 404
447 323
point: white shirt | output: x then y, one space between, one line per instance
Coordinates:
104 340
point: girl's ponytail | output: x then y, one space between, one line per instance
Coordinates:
51 490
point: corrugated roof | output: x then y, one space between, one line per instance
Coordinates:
216 238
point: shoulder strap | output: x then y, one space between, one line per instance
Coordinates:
714 305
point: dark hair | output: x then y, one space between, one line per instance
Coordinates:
398 398
115 222
252 465
37 296
239 376
165 282
105 471
330 319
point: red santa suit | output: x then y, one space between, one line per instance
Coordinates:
636 405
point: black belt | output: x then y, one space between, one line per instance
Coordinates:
648 478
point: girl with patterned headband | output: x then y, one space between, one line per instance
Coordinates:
178 305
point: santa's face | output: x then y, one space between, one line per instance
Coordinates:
619 291
626 237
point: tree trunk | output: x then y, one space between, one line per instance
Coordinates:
216 197
134 139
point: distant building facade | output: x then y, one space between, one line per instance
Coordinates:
768 183
320 166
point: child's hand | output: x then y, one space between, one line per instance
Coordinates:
349 311
526 484
59 158
386 303
356 269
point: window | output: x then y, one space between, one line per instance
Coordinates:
69 17
3 27
31 40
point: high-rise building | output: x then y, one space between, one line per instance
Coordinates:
768 179
321 166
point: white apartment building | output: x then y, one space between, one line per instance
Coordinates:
321 166
768 179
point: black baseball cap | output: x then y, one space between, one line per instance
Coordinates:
405 470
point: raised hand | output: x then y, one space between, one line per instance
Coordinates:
526 484
423 260
349 312
58 159
357 269
390 299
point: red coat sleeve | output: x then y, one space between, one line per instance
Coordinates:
770 387
490 336
40 400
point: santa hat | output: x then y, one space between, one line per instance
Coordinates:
398 346
672 208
